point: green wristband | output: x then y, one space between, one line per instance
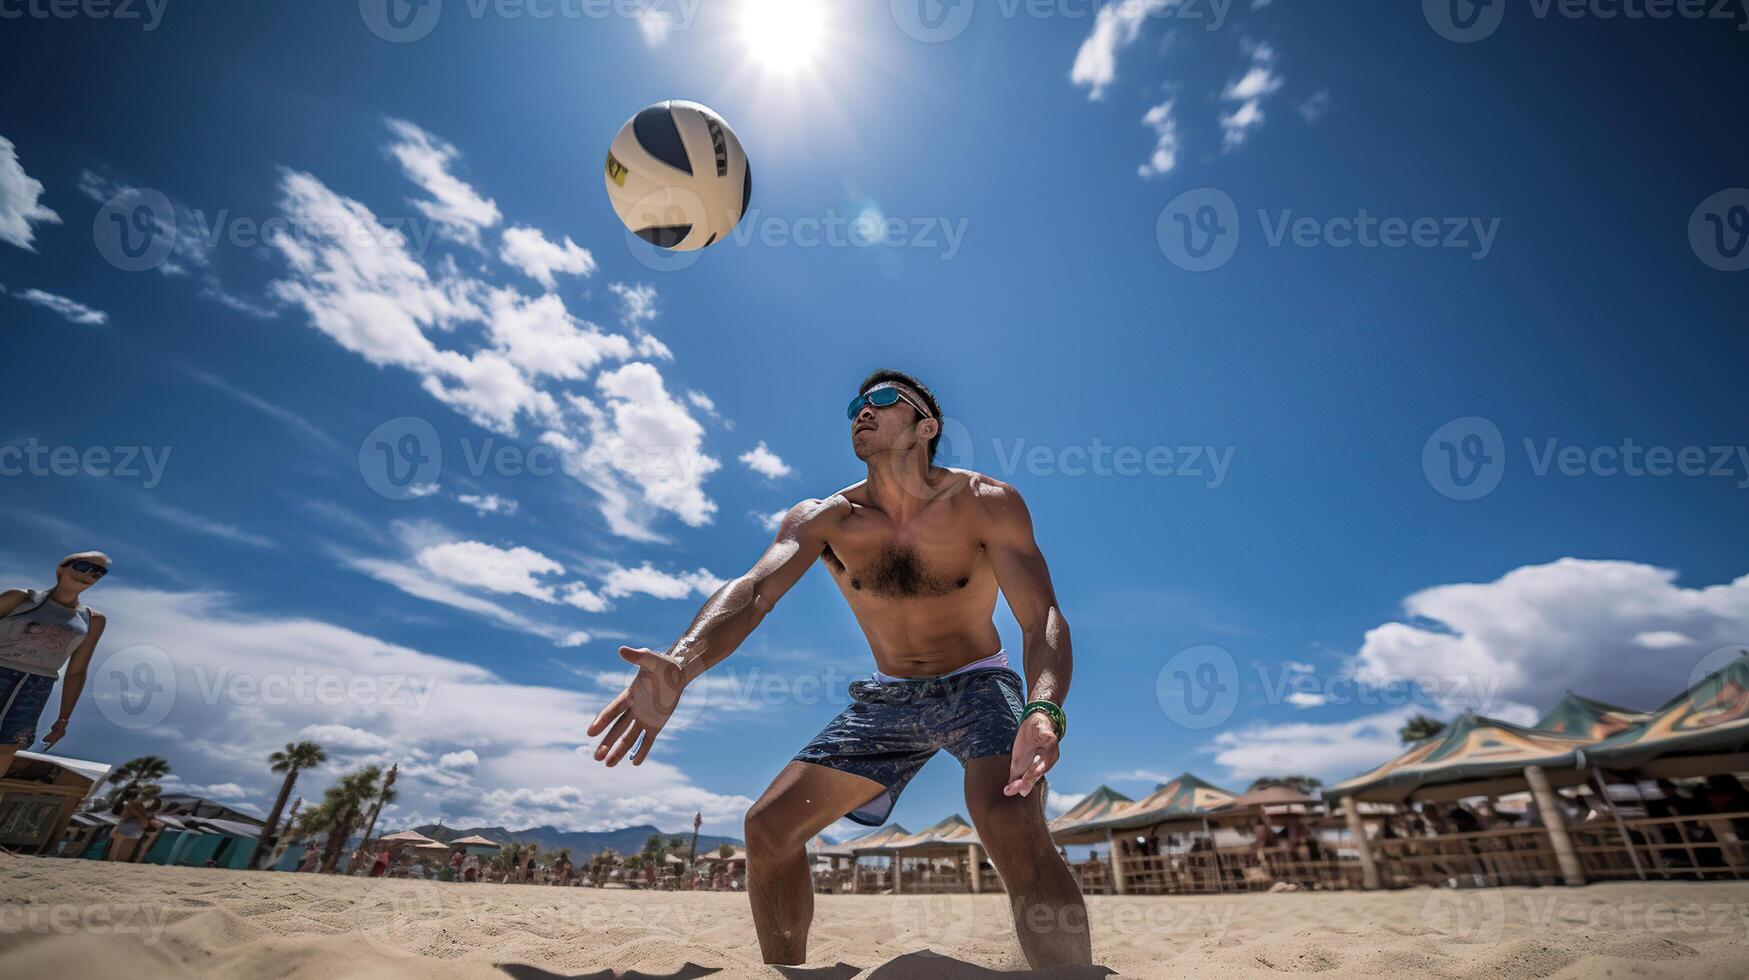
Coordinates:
1058 720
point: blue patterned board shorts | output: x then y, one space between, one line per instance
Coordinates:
22 699
891 729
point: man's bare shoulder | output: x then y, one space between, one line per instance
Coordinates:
815 514
995 500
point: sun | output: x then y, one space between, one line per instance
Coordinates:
783 35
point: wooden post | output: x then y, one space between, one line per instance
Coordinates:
1369 868
977 861
1555 822
898 874
1118 885
1627 842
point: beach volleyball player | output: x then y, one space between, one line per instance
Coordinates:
919 552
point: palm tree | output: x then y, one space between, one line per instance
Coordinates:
342 807
1304 784
147 769
1419 728
296 758
725 852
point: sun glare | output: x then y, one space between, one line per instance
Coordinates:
783 35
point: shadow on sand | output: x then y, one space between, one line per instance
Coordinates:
922 965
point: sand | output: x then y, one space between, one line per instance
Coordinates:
76 919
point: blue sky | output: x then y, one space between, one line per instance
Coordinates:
1291 518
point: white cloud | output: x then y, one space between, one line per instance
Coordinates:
459 211
580 595
201 524
20 200
770 521
1299 666
702 402
656 25
648 580
1258 83
397 704
542 339
1306 699
71 310
1165 156
1331 751
637 302
760 459
489 503
1314 108
1115 27
506 571
645 454
1057 803
1572 624
529 250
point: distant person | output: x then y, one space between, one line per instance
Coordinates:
137 816
41 632
380 866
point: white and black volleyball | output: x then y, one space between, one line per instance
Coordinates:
677 176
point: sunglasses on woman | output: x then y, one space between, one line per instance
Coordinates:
91 568
881 398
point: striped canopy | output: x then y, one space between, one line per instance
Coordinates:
1710 718
1183 797
1097 805
876 841
951 834
1473 749
1596 720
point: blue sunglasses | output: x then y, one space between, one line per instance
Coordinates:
881 398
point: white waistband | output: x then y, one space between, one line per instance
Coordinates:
997 659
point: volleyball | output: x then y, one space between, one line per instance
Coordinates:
677 176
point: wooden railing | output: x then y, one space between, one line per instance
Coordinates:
1511 856
1712 847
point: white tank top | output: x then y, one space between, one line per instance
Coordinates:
39 637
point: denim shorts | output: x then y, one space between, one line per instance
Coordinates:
22 699
890 729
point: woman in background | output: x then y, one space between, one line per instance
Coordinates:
42 631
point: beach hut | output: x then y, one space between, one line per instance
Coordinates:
477 845
1138 860
871 878
1596 720
949 841
1475 756
38 796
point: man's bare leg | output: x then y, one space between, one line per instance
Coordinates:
1049 914
803 800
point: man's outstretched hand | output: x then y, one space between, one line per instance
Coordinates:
641 709
1035 752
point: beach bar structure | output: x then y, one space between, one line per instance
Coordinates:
870 870
1702 732
945 857
1152 847
38 797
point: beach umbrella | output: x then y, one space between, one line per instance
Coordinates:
1576 714
1700 732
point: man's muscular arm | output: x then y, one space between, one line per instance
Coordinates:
727 618
1026 584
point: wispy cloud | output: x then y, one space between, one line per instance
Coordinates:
71 310
20 200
